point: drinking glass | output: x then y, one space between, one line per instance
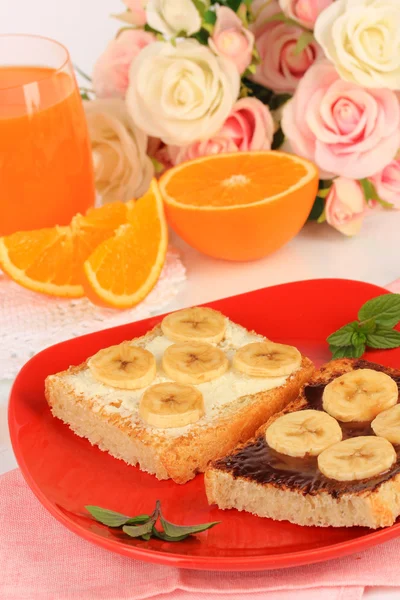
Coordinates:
46 173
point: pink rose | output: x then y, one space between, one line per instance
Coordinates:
304 11
215 145
281 68
345 129
345 206
231 39
249 127
111 71
387 183
138 10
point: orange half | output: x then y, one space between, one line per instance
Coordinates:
240 206
123 269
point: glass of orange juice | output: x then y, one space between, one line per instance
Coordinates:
46 173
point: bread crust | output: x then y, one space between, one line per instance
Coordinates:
375 507
182 457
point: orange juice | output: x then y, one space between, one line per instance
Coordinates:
46 173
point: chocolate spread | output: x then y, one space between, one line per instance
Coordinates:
258 462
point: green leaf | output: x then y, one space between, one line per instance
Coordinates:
146 536
278 139
82 73
139 530
370 193
323 193
368 327
233 4
210 17
342 337
282 18
303 42
358 339
383 337
163 536
322 217
317 209
347 351
201 7
202 36
175 531
112 518
259 91
278 100
385 310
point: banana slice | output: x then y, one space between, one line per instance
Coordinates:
359 395
357 458
387 424
267 359
306 432
171 405
194 362
194 324
124 366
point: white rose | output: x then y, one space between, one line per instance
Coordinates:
181 93
121 166
362 39
173 16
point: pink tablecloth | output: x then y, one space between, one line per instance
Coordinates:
41 560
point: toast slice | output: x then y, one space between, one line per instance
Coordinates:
235 406
255 479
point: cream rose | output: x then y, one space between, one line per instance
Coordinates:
173 16
362 39
121 166
181 93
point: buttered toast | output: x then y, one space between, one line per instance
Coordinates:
330 458
180 396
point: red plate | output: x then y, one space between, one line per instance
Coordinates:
66 472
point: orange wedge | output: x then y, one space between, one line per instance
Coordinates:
239 206
123 269
51 260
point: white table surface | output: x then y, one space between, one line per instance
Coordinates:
84 27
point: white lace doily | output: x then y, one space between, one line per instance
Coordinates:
30 322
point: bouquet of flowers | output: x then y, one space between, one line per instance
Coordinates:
318 78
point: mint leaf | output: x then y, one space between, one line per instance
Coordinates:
174 531
112 518
163 536
384 310
367 327
303 42
358 339
384 337
144 526
347 351
138 530
342 337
